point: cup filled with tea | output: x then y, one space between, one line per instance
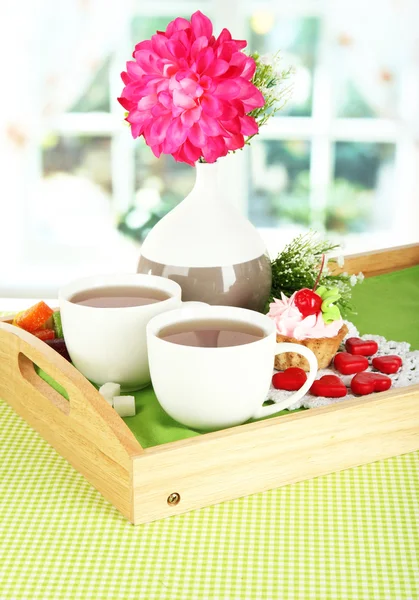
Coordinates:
104 321
211 366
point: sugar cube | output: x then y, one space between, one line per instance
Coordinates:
124 406
109 391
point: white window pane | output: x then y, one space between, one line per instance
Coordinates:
75 190
368 46
279 188
362 195
297 39
97 96
160 184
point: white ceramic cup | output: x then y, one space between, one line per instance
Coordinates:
109 344
213 388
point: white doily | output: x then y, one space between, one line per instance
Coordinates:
408 374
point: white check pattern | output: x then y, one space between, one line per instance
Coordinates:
347 536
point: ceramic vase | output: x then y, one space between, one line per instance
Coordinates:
207 246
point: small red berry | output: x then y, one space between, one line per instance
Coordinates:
308 302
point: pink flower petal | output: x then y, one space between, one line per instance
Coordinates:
158 110
144 45
201 25
176 133
147 102
197 136
138 116
210 126
225 36
177 25
182 100
136 130
233 72
211 105
199 44
229 112
156 149
247 89
248 125
143 59
189 117
217 68
125 103
227 88
240 44
165 99
159 42
134 70
206 83
233 126
192 153
125 77
238 105
204 60
176 48
133 91
215 148
169 69
159 129
189 85
249 69
235 142
255 101
238 59
184 37
226 51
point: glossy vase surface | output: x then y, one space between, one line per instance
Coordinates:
207 246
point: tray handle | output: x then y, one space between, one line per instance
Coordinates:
86 411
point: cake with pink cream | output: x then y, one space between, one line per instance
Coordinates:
312 319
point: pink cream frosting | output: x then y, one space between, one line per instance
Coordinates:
291 323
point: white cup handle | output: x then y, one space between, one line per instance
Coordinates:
280 348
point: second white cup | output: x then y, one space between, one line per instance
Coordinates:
207 386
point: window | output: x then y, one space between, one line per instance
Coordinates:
341 157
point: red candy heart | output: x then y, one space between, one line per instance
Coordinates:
367 383
363 347
347 364
387 364
291 379
308 302
330 386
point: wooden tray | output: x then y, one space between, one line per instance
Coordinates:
153 483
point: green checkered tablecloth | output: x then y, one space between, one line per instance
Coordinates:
348 535
352 535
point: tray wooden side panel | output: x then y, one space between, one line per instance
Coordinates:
260 456
85 430
381 261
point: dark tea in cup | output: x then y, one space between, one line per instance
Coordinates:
118 296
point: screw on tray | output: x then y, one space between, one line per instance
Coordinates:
173 499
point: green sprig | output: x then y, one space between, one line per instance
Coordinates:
297 267
271 81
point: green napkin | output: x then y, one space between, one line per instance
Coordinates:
150 425
388 305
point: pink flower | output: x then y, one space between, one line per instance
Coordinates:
188 93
